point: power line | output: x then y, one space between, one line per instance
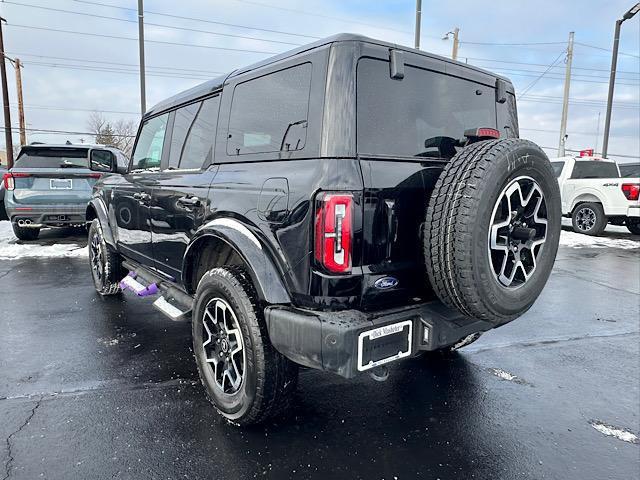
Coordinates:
66 109
72 59
607 49
162 42
111 70
551 77
320 15
573 133
578 151
516 44
495 60
150 24
66 132
541 75
212 22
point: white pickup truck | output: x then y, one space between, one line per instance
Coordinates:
594 194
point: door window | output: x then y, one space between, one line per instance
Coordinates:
269 113
148 152
193 135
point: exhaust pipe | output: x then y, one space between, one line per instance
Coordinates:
27 222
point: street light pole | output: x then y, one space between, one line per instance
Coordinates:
418 22
612 76
5 102
143 100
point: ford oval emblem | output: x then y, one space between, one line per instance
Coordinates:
386 283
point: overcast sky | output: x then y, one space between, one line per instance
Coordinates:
68 75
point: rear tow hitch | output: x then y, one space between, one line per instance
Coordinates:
380 374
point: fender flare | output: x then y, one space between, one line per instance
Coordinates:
266 277
97 205
585 192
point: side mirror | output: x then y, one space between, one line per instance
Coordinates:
102 161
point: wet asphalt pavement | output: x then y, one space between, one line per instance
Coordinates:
107 388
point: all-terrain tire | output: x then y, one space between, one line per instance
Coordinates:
25 233
269 378
589 218
105 263
633 225
456 233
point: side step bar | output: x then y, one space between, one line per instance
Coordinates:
173 302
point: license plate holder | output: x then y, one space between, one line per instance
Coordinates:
60 184
384 344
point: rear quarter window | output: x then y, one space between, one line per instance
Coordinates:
594 169
630 171
270 113
53 158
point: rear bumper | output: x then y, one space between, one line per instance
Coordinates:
46 215
633 211
332 341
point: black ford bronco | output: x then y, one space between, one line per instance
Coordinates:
341 206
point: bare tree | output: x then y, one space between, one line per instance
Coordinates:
119 134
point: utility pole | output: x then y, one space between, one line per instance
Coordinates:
454 50
612 78
565 99
143 100
418 22
23 131
5 102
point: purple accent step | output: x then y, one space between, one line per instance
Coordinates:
130 283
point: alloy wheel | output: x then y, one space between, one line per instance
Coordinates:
585 219
223 345
517 232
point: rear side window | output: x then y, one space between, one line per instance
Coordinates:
148 152
421 115
53 158
194 130
630 171
557 167
269 113
594 169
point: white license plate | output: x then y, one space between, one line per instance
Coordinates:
378 335
60 184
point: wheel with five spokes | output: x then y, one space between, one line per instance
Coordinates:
492 229
245 378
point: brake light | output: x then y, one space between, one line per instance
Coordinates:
334 231
631 190
95 175
8 179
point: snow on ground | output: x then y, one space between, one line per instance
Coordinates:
12 249
578 240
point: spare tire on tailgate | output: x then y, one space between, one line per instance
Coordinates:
492 229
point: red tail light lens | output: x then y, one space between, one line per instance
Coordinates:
95 175
631 190
334 231
8 179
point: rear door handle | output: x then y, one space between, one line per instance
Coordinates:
143 197
189 201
